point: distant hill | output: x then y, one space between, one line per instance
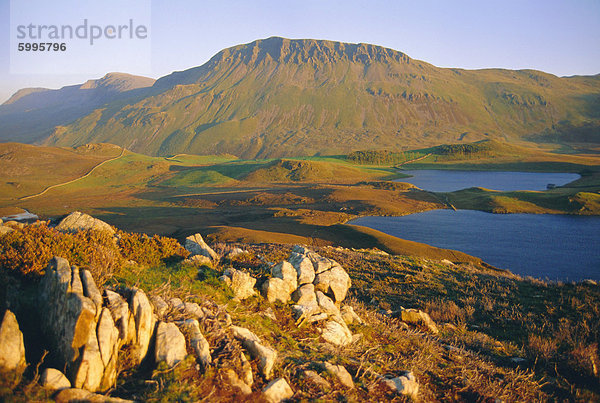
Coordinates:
284 97
32 113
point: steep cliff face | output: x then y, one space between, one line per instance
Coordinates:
282 97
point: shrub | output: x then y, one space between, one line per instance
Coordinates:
153 250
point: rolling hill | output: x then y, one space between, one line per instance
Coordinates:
285 97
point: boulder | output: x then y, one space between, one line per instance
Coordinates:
404 385
419 318
305 294
241 283
350 316
77 221
196 246
305 311
336 332
277 391
170 344
176 304
266 356
285 271
12 348
319 262
144 323
334 282
198 342
304 268
53 379
108 343
340 372
276 289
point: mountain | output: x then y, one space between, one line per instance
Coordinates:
32 113
282 97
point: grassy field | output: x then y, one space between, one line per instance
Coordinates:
501 336
278 200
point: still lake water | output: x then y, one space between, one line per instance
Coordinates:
449 181
556 247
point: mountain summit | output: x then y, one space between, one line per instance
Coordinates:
288 97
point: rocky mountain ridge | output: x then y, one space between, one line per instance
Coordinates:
289 97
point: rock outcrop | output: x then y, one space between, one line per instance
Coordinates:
84 330
197 341
12 349
77 221
317 285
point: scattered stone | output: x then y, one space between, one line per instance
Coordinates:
160 306
316 379
77 221
336 333
234 380
340 372
350 316
170 344
144 323
53 379
241 283
252 344
235 252
12 348
277 391
197 340
404 385
196 246
518 360
419 318
447 262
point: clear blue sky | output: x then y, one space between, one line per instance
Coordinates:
561 37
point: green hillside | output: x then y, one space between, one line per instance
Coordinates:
280 97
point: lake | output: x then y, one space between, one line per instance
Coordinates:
449 181
556 247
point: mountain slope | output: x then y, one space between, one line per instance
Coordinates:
280 97
31 113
